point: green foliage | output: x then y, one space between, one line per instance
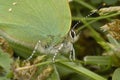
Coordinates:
5 61
82 71
24 22
98 60
108 2
5 64
116 74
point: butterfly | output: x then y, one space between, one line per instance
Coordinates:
27 22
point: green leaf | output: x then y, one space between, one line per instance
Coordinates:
4 78
98 60
5 61
24 22
96 1
113 41
116 74
109 2
81 70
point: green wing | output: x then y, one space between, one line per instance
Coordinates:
24 22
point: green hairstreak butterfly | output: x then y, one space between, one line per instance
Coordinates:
24 22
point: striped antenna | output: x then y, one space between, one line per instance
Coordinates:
72 33
93 12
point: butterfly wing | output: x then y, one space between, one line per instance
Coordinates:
24 22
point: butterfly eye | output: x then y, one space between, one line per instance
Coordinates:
72 34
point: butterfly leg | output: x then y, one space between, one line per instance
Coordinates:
72 53
53 60
74 38
34 51
56 52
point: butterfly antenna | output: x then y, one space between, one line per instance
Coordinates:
93 12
